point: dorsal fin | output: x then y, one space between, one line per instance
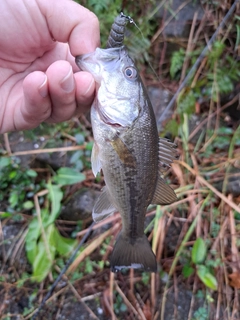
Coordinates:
167 154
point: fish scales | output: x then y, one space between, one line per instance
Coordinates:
127 149
131 204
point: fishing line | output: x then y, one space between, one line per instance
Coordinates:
70 260
133 22
199 60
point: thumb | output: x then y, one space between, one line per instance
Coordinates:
72 23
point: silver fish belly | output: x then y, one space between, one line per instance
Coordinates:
128 150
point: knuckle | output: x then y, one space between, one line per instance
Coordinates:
94 19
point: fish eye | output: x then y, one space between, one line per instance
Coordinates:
130 73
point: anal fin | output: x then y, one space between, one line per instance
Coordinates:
164 194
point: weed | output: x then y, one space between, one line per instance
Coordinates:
204 268
138 44
221 71
201 314
18 185
145 278
119 305
43 240
30 307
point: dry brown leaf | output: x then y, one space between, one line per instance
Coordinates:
234 280
179 173
88 250
147 310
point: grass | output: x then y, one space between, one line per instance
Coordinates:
205 211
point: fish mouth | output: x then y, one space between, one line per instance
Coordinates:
101 59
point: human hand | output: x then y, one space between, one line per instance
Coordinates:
38 42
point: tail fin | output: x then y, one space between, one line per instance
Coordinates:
135 254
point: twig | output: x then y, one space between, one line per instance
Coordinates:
92 296
220 235
48 150
157 34
1 241
106 221
111 283
108 305
234 248
193 299
153 291
229 103
89 249
126 301
77 295
189 47
17 246
138 307
34 313
186 238
199 60
7 144
203 181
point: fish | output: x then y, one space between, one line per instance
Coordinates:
127 149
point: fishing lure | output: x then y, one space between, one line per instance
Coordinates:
117 32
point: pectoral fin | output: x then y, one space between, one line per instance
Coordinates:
123 152
96 165
103 207
167 153
164 194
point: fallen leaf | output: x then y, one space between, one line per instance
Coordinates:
147 310
234 280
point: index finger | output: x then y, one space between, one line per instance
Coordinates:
70 22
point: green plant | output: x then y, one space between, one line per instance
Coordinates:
30 307
203 269
201 314
43 241
137 39
119 305
218 76
18 185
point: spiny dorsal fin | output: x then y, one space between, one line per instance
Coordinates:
167 154
164 194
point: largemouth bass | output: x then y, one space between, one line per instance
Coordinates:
128 150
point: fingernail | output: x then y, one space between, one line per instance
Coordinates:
43 89
90 86
68 83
